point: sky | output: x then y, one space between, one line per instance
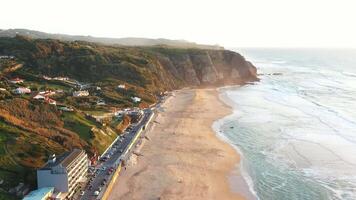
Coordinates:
230 23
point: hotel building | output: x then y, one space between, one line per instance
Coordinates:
64 173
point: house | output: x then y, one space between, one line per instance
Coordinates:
16 80
2 89
39 97
136 99
50 101
121 86
22 90
81 93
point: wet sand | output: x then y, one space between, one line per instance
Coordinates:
183 158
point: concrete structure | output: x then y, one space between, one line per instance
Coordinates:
81 93
40 194
64 173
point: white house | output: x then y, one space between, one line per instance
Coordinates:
121 86
16 80
39 97
22 90
136 99
81 93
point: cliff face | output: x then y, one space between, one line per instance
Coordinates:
208 67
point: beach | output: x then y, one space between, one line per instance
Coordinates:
182 157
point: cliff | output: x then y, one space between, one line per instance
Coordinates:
161 67
207 67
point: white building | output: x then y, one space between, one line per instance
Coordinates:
81 93
121 86
16 80
22 90
60 78
64 173
136 99
7 57
39 97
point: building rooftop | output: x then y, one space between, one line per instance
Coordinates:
39 194
65 159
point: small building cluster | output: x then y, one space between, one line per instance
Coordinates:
44 96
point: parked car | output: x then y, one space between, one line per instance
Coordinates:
96 193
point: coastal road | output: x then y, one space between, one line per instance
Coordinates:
118 151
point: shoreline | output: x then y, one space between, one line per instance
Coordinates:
246 183
184 158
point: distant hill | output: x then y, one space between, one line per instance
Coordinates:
130 41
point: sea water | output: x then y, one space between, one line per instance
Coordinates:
296 127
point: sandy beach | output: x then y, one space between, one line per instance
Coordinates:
183 158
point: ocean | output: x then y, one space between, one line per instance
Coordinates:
296 127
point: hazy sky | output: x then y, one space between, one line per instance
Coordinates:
232 23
